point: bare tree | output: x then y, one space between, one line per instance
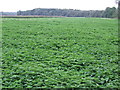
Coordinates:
118 9
118 2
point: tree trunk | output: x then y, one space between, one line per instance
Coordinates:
119 10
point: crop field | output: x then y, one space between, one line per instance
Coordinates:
60 53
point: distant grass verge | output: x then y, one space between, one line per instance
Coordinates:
28 16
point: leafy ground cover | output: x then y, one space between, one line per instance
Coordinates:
60 53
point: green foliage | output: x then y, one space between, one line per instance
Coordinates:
108 13
60 53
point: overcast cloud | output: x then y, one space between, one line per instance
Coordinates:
15 5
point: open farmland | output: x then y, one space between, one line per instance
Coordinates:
60 53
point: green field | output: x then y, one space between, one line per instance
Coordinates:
60 53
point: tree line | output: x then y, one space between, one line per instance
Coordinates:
109 12
8 13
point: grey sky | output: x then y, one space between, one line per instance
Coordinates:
15 5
